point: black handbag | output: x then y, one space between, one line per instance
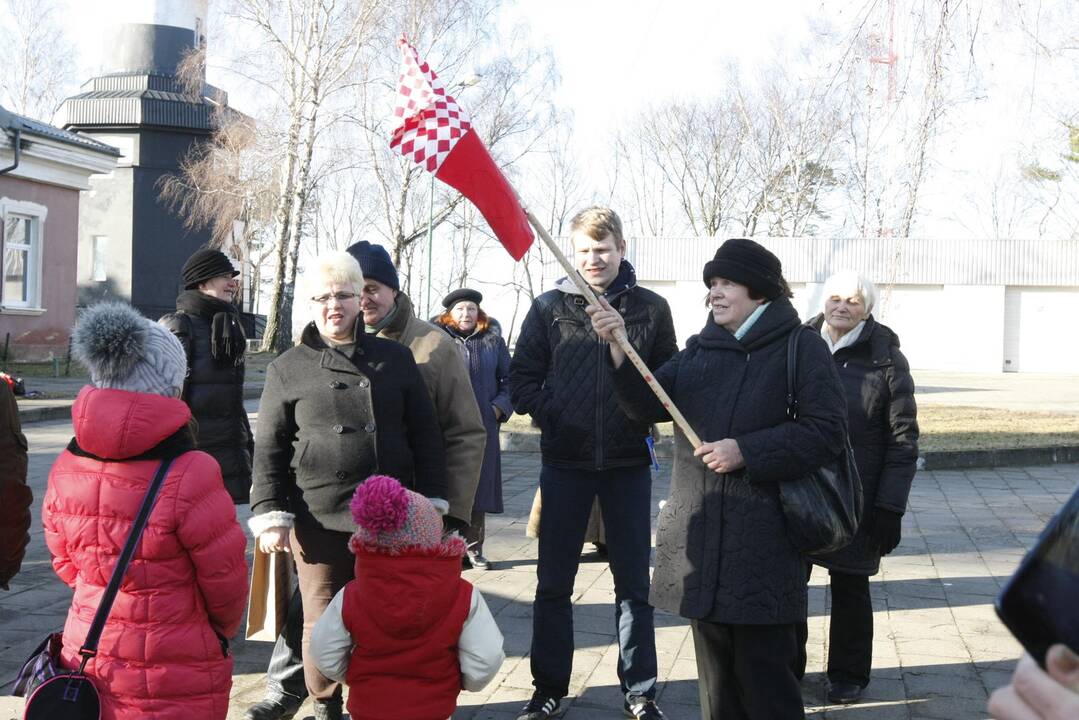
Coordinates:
823 507
54 692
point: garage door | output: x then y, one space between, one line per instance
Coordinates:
1037 330
904 308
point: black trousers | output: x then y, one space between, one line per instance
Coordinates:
285 676
747 672
850 634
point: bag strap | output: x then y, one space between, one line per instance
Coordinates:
89 646
792 370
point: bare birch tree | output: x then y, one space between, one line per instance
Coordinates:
309 52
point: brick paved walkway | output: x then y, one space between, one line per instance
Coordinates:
938 651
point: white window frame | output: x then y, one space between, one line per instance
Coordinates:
38 213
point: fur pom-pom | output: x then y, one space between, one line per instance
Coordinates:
380 504
109 340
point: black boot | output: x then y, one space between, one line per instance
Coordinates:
282 707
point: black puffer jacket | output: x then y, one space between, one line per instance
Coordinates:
326 422
215 393
722 552
559 374
883 432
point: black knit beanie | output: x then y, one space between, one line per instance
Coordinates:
205 265
748 263
375 263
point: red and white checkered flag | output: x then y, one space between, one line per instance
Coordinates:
436 134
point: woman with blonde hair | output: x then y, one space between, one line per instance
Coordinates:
338 407
882 417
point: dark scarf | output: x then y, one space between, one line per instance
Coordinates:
173 446
227 339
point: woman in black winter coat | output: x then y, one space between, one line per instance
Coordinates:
338 407
207 324
484 350
884 434
723 558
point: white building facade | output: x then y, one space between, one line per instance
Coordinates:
962 305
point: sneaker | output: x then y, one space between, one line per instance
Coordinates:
479 561
541 707
643 709
844 693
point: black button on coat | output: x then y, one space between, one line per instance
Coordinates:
883 432
722 552
310 431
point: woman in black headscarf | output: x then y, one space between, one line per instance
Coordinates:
208 325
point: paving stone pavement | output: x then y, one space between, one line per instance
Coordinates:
938 648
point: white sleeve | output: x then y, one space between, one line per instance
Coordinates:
331 645
480 648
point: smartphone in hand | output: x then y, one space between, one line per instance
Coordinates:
1040 603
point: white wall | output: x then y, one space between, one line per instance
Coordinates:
940 327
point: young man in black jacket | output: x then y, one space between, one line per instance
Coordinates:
560 376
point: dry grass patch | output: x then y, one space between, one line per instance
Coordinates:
977 428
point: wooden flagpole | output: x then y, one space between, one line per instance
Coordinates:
620 335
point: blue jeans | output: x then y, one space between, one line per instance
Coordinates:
625 496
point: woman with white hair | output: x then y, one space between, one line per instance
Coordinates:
337 408
883 428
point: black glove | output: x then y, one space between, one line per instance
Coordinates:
885 530
450 523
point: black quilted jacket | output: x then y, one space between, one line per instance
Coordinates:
559 374
722 552
883 433
214 391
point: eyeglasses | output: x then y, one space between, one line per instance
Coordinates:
328 297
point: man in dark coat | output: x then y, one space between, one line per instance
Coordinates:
207 324
590 448
884 435
15 496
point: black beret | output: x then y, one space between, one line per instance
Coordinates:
462 294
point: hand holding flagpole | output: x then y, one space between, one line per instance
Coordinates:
619 335
437 134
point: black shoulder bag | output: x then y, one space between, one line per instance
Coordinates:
823 507
54 692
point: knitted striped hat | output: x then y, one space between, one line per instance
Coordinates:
125 351
393 520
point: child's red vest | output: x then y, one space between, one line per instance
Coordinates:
405 615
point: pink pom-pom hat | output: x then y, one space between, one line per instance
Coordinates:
393 520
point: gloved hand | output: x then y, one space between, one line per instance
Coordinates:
885 530
450 523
